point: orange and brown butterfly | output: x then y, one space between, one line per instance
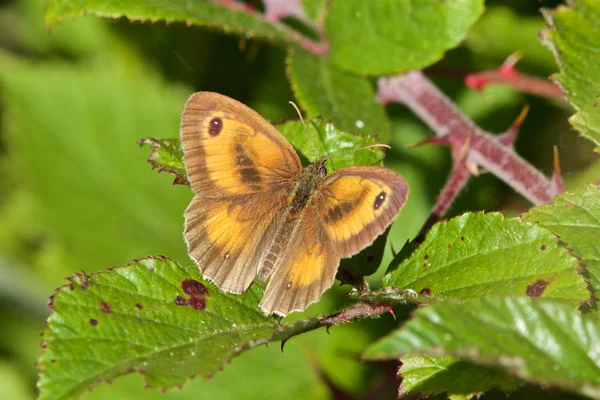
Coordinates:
257 211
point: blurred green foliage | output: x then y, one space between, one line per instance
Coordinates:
76 191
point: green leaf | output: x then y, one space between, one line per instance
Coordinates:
575 218
478 255
200 12
159 319
574 38
167 156
345 99
428 375
330 140
392 36
154 317
537 340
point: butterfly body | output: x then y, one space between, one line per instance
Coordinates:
257 211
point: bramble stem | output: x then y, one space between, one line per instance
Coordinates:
456 130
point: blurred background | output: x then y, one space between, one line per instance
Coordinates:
76 192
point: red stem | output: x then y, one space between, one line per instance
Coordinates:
517 80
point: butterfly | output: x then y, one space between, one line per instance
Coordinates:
258 211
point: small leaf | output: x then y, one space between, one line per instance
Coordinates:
235 18
574 38
575 218
478 255
347 100
330 140
428 375
392 36
168 156
537 340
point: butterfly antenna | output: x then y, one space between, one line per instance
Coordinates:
360 148
310 138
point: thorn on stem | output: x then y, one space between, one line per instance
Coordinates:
441 140
507 69
509 137
558 185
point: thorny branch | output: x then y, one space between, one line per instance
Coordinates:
471 146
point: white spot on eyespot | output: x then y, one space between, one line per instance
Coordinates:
360 124
226 256
289 285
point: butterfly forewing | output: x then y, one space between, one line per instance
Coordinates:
229 149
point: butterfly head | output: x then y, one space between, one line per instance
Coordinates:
319 167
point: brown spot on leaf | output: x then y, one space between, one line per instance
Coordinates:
53 361
543 247
425 292
138 306
180 301
197 303
93 322
536 288
194 288
107 308
426 257
462 238
449 246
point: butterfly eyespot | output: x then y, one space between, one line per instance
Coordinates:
379 199
215 126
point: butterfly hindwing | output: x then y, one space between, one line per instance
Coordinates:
229 149
306 269
226 239
357 204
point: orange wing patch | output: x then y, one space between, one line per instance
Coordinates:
307 267
358 203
